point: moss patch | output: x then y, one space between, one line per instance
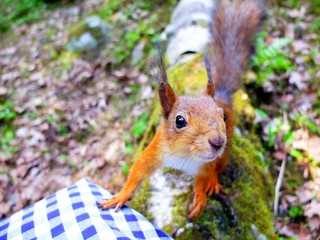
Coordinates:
252 192
248 185
179 212
242 107
140 201
189 78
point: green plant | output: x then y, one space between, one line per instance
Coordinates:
7 135
296 154
125 169
58 121
110 8
262 114
63 131
129 148
315 25
271 59
49 33
132 29
295 211
7 112
304 121
276 127
289 137
7 132
17 12
140 125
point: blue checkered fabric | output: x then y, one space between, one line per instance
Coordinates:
72 213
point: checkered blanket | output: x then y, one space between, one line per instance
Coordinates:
72 213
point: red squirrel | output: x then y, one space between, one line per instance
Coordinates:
195 133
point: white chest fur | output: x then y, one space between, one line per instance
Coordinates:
188 166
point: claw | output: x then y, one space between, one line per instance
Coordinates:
116 201
118 206
107 203
197 207
214 187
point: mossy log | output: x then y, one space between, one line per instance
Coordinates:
244 211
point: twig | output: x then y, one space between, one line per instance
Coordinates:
280 177
278 186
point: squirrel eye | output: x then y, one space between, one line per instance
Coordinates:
224 117
180 122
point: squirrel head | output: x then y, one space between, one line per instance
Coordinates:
194 128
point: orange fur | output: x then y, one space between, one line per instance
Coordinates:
141 169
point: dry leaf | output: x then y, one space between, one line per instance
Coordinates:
304 194
312 209
297 79
314 223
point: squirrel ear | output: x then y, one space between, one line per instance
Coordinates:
166 93
210 87
167 98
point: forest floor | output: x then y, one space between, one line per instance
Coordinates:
65 116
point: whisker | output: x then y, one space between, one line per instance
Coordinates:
247 167
254 153
149 171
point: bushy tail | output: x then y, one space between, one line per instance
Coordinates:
233 29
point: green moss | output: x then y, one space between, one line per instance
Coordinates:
212 224
179 212
82 27
189 78
252 191
66 59
77 30
215 221
242 107
140 201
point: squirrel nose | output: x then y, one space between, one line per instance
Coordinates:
216 143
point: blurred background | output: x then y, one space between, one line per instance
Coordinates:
76 93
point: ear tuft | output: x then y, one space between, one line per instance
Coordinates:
166 93
167 98
210 86
210 89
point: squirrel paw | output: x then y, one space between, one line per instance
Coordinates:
197 206
117 201
199 200
213 187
